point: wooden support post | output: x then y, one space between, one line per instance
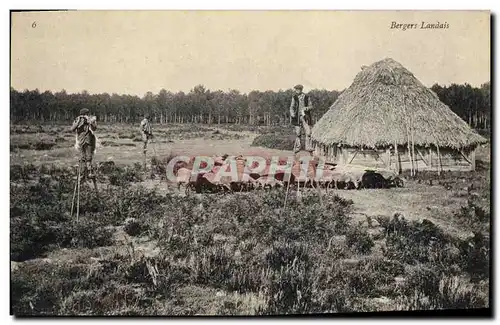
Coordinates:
467 159
415 159
439 161
350 160
345 156
430 158
426 162
398 160
409 157
388 158
473 159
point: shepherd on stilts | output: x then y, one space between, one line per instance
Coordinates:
84 126
147 136
300 115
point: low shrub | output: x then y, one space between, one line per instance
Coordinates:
475 256
427 290
360 240
134 227
413 241
274 141
124 176
474 216
307 257
126 135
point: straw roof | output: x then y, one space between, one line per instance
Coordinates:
385 105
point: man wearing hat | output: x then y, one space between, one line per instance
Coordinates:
85 125
300 113
146 131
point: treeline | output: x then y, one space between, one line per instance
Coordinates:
470 103
201 105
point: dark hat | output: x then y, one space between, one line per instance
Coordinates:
84 111
299 87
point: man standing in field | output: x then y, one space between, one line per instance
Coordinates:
300 113
147 134
85 125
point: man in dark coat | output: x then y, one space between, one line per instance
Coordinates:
300 113
147 133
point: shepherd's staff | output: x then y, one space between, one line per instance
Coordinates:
94 181
299 198
78 196
153 140
287 189
74 191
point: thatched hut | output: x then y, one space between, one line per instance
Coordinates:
387 118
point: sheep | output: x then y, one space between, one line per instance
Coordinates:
371 179
183 178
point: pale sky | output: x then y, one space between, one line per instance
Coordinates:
132 52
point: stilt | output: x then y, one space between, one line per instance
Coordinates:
154 146
318 189
78 197
298 190
74 192
286 194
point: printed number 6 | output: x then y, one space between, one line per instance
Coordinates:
33 25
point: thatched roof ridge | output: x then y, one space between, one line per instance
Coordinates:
383 103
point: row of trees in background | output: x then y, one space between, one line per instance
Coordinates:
470 103
201 105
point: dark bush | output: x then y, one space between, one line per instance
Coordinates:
275 141
126 136
134 227
413 242
360 240
475 255
425 289
90 234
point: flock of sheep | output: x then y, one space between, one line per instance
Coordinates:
310 174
